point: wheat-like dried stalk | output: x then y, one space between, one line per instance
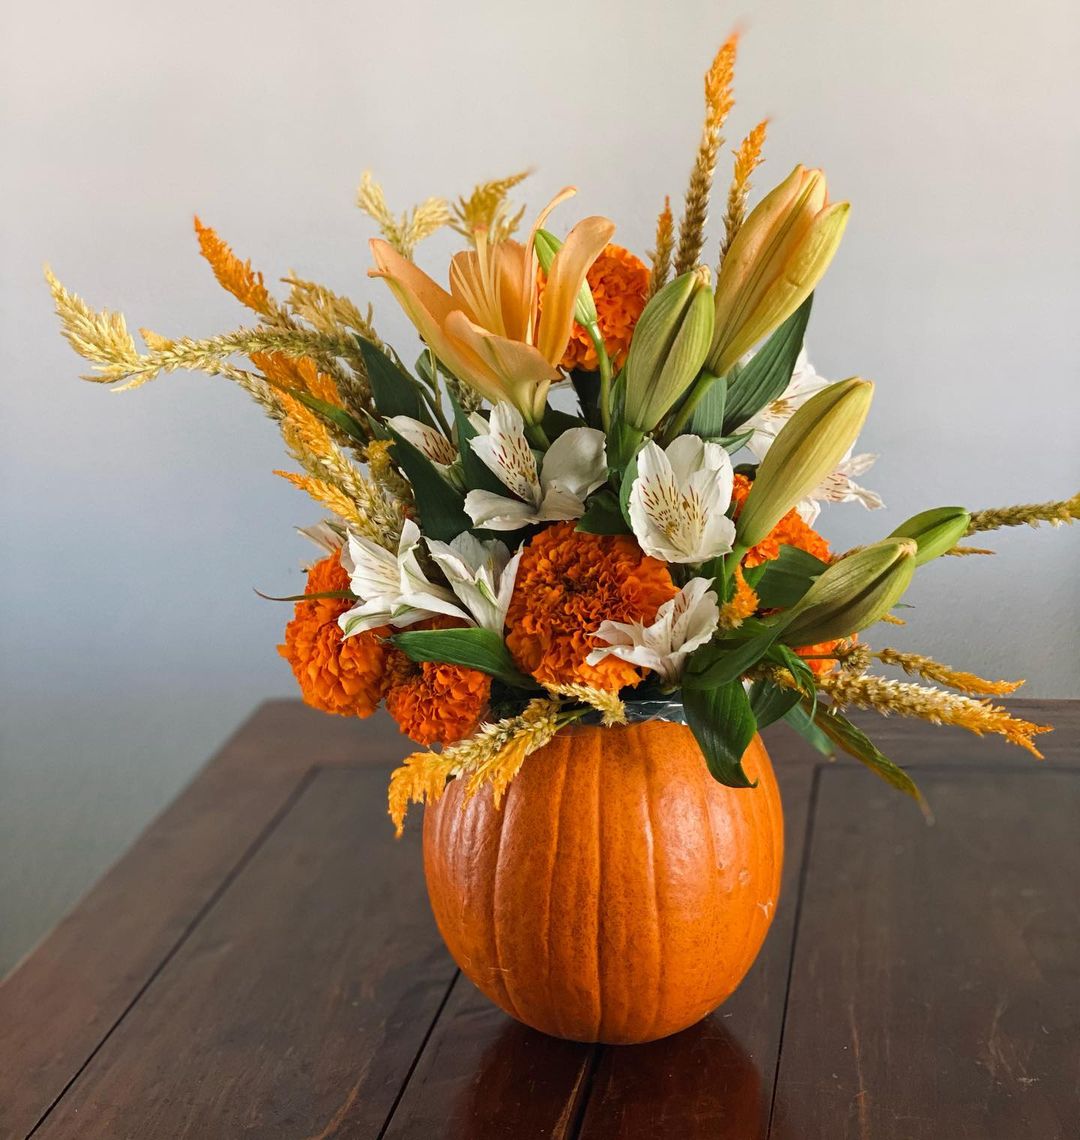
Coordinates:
1029 514
747 160
660 255
492 756
404 233
933 705
486 209
612 710
931 670
718 102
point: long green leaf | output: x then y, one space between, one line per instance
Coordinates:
785 579
394 391
723 724
603 515
856 743
474 648
769 370
441 506
803 723
769 702
708 418
722 662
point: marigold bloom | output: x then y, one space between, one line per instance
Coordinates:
820 661
336 674
619 282
435 703
791 530
568 583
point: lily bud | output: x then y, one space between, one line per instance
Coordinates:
852 593
547 245
806 449
778 256
668 348
935 531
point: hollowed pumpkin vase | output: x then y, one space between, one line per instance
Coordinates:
620 893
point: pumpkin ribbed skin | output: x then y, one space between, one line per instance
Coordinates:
620 894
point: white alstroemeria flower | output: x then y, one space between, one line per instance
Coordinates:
837 487
482 575
682 624
426 439
679 500
392 588
574 465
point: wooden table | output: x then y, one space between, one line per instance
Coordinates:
263 963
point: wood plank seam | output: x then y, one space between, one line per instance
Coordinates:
416 1057
231 876
811 813
586 1091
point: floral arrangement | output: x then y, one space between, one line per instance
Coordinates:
500 561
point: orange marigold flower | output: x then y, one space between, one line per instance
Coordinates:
619 282
337 674
789 531
823 663
435 703
569 582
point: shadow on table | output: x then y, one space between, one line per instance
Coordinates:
700 1082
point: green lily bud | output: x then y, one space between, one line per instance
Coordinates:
807 449
547 245
852 593
668 348
935 531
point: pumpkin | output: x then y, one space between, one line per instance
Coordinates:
619 894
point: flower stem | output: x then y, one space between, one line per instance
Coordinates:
597 339
682 417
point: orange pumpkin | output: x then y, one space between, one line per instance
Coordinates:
620 893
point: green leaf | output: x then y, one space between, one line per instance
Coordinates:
769 701
394 391
802 722
723 662
708 418
798 668
587 387
732 443
723 724
474 648
856 743
308 597
626 486
555 423
441 506
785 579
769 370
603 516
478 476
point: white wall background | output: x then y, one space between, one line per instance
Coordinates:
133 527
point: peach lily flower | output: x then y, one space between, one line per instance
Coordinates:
487 329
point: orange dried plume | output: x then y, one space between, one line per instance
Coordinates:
619 282
343 675
297 372
569 582
234 275
789 531
432 702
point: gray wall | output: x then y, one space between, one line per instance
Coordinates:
135 526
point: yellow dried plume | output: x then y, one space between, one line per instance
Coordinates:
235 276
404 233
486 209
492 756
612 710
327 495
933 705
747 160
660 256
1055 513
931 670
743 603
718 102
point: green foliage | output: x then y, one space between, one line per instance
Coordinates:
723 724
474 648
441 506
394 391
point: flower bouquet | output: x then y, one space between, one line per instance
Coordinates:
573 546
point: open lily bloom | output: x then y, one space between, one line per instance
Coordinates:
572 467
839 487
481 574
682 624
392 588
488 329
679 500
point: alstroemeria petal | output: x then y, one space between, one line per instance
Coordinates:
425 438
505 451
575 462
496 512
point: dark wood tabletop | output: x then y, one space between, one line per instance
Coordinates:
263 962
